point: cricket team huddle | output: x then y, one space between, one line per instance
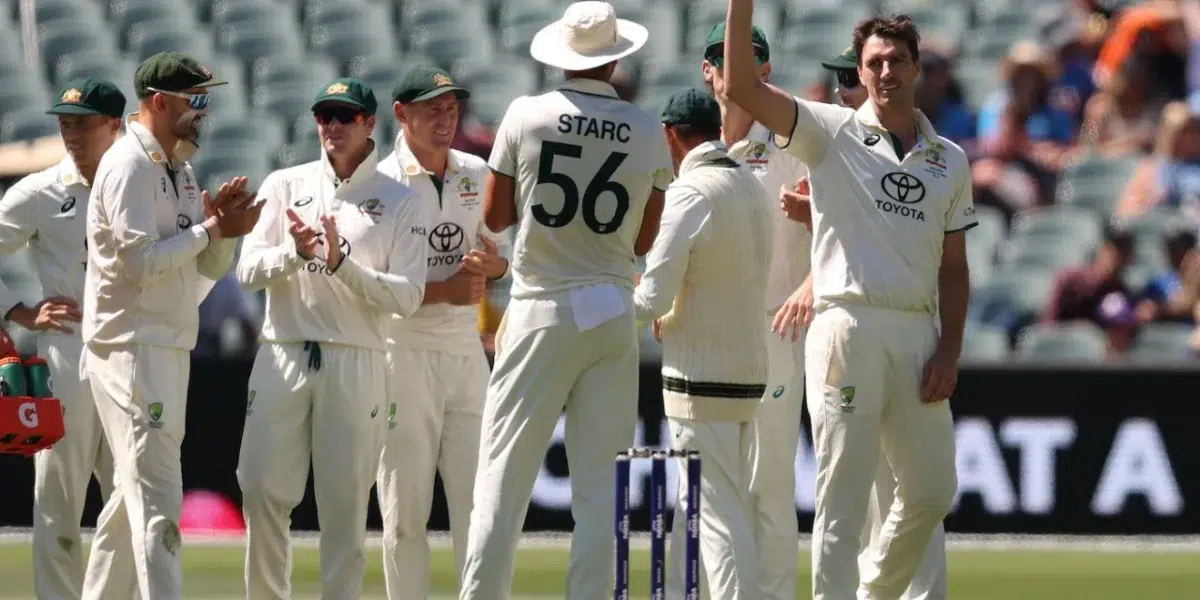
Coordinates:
792 248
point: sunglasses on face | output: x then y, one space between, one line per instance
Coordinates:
847 79
341 114
195 101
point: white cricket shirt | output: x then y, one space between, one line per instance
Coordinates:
456 215
585 162
879 220
383 231
705 278
792 247
150 263
46 210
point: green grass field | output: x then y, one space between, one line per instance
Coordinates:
214 571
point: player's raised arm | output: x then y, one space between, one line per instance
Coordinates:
267 256
801 127
769 105
401 288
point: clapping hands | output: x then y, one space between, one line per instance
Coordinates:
232 211
307 239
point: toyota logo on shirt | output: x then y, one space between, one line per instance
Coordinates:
446 237
903 188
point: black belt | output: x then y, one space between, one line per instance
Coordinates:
314 355
713 389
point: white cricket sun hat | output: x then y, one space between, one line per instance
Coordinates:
588 35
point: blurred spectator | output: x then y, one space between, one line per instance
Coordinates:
1074 31
227 325
1171 175
1123 117
1096 292
1024 140
1172 294
940 97
473 137
1190 12
822 90
1155 32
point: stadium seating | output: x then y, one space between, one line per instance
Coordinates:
1073 342
1164 342
277 53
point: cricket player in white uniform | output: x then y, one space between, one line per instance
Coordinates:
705 284
156 246
42 210
777 421
892 202
929 583
438 370
582 174
340 249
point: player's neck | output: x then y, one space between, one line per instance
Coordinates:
87 168
433 160
346 164
899 121
162 133
735 124
87 165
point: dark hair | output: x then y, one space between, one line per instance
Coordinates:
697 132
897 27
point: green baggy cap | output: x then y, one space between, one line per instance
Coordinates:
758 39
424 82
691 106
171 72
847 60
87 96
348 90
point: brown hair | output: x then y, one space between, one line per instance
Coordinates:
896 27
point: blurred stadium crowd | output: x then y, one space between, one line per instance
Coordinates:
1080 117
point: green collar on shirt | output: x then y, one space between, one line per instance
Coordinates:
927 137
705 154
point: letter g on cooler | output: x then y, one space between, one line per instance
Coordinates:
27 413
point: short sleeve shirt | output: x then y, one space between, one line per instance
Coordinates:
585 163
879 220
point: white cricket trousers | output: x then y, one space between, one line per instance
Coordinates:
141 396
929 583
865 367
433 427
729 568
538 372
773 455
318 402
61 477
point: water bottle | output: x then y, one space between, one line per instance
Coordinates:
37 377
12 377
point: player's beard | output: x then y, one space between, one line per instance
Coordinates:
187 134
